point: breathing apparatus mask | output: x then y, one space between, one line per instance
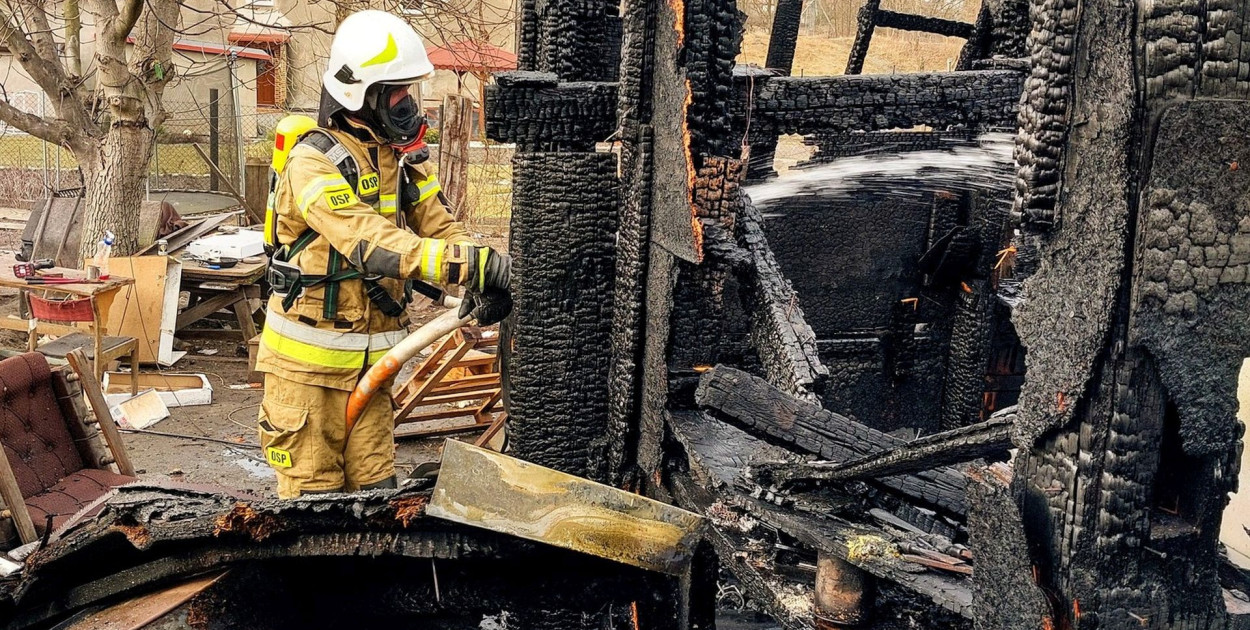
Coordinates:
392 113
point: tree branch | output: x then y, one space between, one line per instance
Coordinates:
54 131
73 37
39 31
48 74
127 17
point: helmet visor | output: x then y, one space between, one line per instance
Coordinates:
397 111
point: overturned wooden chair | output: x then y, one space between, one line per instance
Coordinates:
460 379
53 465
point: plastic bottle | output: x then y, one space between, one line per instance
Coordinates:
102 254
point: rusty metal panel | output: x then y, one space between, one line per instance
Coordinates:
485 489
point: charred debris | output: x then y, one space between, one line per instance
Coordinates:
1001 397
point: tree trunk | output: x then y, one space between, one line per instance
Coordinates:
114 178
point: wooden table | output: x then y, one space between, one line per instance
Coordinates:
236 288
100 294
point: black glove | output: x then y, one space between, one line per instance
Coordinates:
495 273
489 307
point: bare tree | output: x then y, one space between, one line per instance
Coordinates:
108 123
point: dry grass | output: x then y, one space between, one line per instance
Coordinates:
890 52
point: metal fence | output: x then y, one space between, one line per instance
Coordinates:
31 168
229 135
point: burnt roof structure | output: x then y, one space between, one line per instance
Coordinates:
1095 275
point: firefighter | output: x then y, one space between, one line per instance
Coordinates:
344 208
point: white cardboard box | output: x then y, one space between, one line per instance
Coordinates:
239 245
175 389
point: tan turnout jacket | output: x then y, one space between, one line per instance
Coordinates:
367 227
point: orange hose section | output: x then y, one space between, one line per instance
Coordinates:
373 380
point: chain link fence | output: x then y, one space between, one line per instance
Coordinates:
230 136
31 168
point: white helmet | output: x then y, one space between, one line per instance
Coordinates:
372 47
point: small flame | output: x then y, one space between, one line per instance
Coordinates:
633 612
679 25
702 368
686 138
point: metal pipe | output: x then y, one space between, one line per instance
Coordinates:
388 366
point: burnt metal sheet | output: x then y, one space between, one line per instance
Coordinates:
481 488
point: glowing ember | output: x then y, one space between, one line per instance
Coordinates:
679 25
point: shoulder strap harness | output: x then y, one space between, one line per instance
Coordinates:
287 277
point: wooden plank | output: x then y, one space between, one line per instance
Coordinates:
453 387
91 389
453 152
467 382
142 313
760 408
206 308
243 312
432 415
961 569
485 409
437 432
139 612
242 273
457 397
14 500
481 488
418 378
449 362
495 427
84 289
940 449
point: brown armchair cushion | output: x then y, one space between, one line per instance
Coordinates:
72 494
33 433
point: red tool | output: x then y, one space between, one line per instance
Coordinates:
28 269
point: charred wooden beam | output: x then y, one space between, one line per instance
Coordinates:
563 237
925 24
866 22
940 449
1005 592
716 453
752 403
538 113
780 334
150 536
975 99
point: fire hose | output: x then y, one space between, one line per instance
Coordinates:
385 369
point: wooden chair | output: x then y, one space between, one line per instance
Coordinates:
463 368
100 349
52 464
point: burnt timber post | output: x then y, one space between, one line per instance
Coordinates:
563 231
1132 185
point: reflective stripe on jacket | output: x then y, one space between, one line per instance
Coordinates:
327 348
